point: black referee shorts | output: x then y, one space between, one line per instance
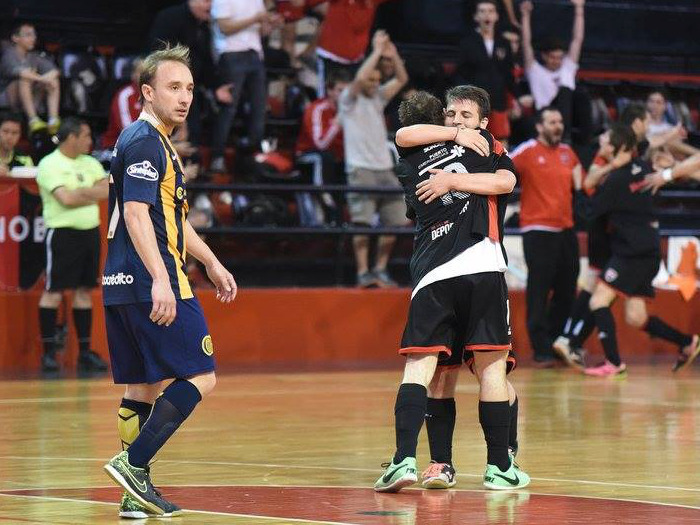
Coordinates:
72 258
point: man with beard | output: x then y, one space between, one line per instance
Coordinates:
548 172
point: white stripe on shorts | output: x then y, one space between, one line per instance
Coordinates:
49 258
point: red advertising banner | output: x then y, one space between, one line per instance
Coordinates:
11 233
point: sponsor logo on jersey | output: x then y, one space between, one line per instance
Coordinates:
439 231
610 275
458 151
180 192
117 279
207 345
143 170
433 146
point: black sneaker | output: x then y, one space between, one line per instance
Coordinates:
137 482
90 361
49 363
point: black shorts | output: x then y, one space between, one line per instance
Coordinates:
469 312
598 246
72 258
631 276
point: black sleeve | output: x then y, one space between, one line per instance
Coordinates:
508 66
608 194
465 59
504 162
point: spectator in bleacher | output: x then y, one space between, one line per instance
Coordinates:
71 183
485 60
368 161
662 132
125 107
344 36
553 83
237 43
10 133
30 79
656 107
320 149
189 24
548 172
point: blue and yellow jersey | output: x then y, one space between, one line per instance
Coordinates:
145 168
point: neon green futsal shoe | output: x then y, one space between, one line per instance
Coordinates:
396 477
513 478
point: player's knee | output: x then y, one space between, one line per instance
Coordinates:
205 383
444 383
420 368
596 302
635 317
82 298
50 299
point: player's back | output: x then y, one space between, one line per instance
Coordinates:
453 223
145 168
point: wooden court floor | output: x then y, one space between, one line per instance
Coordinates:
306 448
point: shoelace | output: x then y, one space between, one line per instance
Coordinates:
433 470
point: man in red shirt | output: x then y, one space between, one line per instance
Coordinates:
548 172
320 151
344 36
125 107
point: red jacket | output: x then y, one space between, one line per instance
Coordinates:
125 109
320 130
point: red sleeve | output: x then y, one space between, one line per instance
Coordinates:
600 161
109 139
498 148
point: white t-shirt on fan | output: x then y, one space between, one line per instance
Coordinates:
245 40
545 84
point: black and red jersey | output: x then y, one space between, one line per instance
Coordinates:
629 210
458 221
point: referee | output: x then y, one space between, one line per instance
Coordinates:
71 183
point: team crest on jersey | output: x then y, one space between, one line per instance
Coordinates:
143 170
207 345
564 157
457 151
610 275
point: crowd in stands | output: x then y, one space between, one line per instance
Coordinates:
333 82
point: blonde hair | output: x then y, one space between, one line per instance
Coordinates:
178 53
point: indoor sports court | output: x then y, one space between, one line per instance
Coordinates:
353 262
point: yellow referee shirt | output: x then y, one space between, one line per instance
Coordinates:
56 170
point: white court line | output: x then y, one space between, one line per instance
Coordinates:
354 469
361 487
463 389
188 511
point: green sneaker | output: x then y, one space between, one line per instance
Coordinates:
513 478
137 482
396 477
131 508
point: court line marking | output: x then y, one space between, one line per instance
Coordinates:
462 389
210 512
360 487
355 469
